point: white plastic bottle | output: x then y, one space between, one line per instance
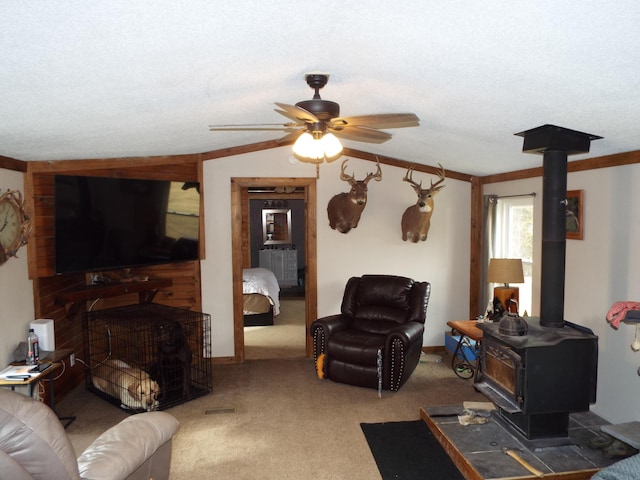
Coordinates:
33 348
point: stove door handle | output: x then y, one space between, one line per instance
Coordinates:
518 394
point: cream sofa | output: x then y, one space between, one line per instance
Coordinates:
34 445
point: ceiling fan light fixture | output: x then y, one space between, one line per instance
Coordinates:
316 150
331 145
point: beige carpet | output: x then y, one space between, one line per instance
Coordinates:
284 339
274 419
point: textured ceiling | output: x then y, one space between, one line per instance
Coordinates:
95 79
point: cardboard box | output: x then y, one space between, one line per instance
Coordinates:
469 347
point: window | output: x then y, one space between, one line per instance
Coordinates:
514 239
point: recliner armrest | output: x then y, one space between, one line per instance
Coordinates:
331 324
119 451
408 333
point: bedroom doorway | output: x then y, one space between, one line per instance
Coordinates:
284 339
298 301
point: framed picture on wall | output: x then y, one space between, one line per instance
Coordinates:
574 216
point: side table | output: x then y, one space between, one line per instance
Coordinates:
467 330
34 381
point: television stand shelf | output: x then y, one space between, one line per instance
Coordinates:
74 297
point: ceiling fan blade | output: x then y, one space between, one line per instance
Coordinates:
361 134
291 137
298 113
291 117
255 126
381 120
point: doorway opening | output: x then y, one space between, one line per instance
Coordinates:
299 289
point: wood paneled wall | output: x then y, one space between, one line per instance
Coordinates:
185 291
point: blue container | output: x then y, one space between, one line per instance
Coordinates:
469 346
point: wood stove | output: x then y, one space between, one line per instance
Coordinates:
539 378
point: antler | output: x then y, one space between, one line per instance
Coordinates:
351 179
441 175
344 176
377 176
408 177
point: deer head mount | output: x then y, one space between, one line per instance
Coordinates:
416 219
345 208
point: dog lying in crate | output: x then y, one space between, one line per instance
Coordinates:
172 365
135 389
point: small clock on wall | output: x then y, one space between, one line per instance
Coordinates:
15 224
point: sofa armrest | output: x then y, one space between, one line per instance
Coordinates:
33 443
119 451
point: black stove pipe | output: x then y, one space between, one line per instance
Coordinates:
555 143
554 232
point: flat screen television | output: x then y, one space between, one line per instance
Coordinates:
105 223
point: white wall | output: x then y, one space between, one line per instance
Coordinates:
16 290
600 270
376 246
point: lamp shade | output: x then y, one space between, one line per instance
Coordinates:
505 270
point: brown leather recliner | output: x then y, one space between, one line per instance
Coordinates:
379 313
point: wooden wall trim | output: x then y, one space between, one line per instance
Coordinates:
88 165
396 162
13 164
253 147
202 253
625 158
311 249
615 160
237 260
475 257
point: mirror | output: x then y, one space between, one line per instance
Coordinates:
276 226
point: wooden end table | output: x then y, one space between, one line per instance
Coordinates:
467 330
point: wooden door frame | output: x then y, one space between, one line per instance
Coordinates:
239 220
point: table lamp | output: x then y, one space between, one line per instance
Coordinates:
506 271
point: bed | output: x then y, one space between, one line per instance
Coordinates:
261 296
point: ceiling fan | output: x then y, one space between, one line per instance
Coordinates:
315 123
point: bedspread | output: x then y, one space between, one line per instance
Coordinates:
263 281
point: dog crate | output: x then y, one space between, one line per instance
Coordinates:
147 356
